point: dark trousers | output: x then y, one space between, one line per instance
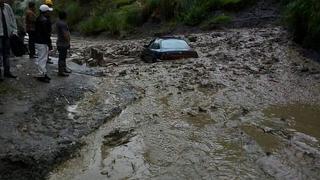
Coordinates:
62 58
31 44
4 54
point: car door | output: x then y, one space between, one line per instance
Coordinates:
151 53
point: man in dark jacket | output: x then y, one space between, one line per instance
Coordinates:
30 27
63 43
8 27
43 41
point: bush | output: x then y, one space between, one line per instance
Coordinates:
216 21
75 11
117 16
114 21
90 26
196 11
132 14
303 18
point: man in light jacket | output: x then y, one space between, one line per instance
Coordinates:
8 27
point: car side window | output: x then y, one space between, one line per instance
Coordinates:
155 46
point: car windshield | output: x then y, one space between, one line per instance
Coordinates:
174 44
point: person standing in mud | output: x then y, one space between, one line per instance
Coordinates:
43 41
63 43
30 27
50 4
8 27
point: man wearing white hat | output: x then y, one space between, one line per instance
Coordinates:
43 41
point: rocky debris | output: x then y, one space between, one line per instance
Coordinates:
274 167
176 119
192 38
191 115
96 57
117 138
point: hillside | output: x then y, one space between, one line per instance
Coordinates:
123 17
119 17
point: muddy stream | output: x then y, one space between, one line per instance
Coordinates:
248 108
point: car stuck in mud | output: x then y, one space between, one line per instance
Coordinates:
167 48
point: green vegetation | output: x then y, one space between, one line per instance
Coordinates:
303 18
118 17
216 21
121 16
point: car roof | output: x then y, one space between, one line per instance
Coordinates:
169 37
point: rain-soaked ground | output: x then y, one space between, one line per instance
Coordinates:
248 108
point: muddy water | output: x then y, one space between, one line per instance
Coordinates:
268 142
180 147
301 117
212 117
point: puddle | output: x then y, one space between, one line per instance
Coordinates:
301 117
199 120
268 142
117 155
165 100
233 151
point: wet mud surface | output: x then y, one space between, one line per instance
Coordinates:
248 108
42 124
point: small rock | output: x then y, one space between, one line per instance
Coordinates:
123 73
202 110
97 56
314 71
192 38
105 173
304 69
268 153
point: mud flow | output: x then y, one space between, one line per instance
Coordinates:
248 108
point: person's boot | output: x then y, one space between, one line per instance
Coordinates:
45 79
63 74
67 70
42 79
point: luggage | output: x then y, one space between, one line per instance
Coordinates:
17 46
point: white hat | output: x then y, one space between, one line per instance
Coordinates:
45 8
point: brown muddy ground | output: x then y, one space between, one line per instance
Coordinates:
248 108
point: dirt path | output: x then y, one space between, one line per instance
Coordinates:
248 108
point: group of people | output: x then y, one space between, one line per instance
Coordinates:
39 29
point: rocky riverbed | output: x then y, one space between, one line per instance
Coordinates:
248 108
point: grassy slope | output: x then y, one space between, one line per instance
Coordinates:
122 16
119 16
303 18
